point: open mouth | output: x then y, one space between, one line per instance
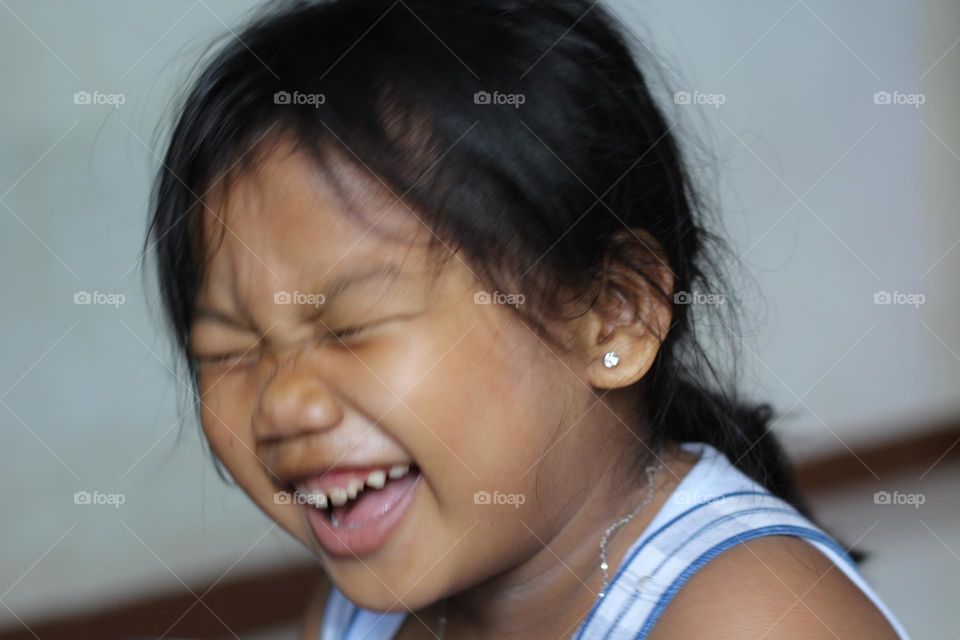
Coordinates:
354 510
352 498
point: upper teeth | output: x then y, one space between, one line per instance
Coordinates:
354 487
377 479
339 496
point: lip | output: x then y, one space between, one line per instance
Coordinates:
367 537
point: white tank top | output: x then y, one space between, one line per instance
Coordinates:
715 507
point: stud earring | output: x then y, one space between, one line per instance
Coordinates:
611 359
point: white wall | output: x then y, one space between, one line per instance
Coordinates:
89 401
878 197
91 384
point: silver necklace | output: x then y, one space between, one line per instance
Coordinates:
650 471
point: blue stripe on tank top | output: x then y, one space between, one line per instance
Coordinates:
625 609
696 565
642 545
713 523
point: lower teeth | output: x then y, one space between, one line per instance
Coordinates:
336 524
335 520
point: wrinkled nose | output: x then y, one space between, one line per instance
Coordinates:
295 402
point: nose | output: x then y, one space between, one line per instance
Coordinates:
294 402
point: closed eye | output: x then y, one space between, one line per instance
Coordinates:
342 335
349 332
251 356
229 360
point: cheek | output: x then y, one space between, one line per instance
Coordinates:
478 410
495 418
484 402
225 414
219 409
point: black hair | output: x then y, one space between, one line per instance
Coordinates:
521 132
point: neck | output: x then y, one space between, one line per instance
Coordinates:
550 593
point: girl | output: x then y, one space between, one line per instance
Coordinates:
432 266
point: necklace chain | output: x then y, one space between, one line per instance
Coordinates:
650 471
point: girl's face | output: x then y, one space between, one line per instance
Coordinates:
328 352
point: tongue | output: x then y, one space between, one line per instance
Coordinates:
372 503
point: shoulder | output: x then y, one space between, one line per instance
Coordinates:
775 586
313 616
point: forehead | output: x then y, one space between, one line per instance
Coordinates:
285 219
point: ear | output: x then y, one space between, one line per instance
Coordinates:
632 313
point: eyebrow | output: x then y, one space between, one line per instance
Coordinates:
331 292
